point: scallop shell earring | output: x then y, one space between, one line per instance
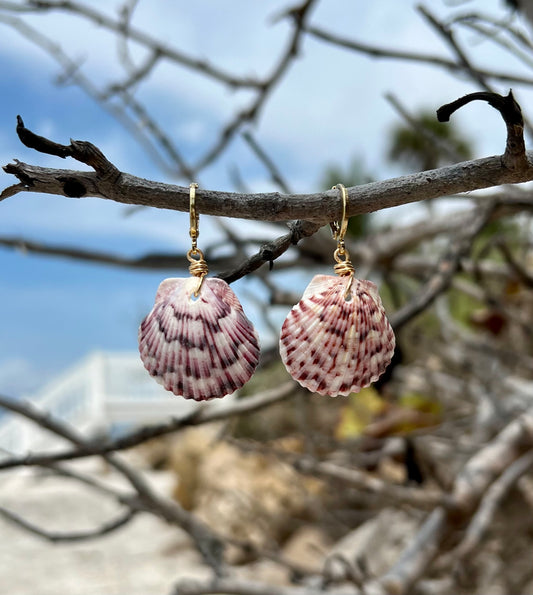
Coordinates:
337 339
197 341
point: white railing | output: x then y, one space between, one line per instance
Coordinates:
103 391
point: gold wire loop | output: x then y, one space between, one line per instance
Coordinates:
198 267
343 266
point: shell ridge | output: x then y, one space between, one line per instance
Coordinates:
332 345
200 349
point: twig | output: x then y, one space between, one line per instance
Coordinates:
445 270
515 150
208 544
446 147
271 251
148 261
140 130
125 13
489 505
231 586
525 277
376 51
207 414
417 497
492 35
469 487
299 16
447 34
144 39
58 537
271 167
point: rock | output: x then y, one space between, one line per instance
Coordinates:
250 497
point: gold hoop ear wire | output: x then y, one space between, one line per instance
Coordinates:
198 267
339 229
344 266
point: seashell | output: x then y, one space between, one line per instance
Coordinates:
335 345
200 348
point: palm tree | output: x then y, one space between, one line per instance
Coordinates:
426 143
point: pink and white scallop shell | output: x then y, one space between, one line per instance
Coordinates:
200 348
334 345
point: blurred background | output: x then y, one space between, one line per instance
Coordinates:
326 119
307 490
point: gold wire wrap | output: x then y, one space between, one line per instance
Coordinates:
198 267
344 266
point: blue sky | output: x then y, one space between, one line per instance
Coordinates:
328 109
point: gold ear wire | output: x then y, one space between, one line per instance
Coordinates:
194 232
339 229
344 266
198 267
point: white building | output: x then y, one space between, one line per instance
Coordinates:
103 392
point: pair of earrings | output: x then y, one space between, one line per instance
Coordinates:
198 343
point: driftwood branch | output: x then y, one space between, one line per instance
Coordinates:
515 154
320 208
469 487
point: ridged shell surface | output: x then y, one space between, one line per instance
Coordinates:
200 348
335 345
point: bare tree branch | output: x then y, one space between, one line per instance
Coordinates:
231 586
206 414
61 537
489 505
378 51
469 486
271 167
135 34
321 207
208 544
158 146
419 498
445 270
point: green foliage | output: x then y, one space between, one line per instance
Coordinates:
421 147
411 412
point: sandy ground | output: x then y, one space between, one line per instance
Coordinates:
145 557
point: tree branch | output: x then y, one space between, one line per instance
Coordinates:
137 35
398 494
232 586
469 487
378 51
208 413
208 544
320 208
445 270
59 537
489 505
